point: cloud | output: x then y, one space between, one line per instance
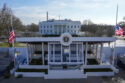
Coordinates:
100 11
31 14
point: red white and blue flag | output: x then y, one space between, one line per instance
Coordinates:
119 31
11 35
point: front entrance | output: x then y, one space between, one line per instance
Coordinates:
65 53
59 54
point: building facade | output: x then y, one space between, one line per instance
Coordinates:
66 57
57 27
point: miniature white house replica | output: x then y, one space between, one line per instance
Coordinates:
65 56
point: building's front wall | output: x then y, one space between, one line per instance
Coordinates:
57 27
65 54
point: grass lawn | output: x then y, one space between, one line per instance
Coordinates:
16 44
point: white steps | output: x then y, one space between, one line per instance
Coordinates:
65 74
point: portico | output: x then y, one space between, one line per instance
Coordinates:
68 53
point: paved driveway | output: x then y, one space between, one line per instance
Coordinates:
118 78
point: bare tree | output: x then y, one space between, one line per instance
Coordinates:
5 21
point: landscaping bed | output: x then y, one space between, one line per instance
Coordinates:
92 62
98 70
36 61
33 70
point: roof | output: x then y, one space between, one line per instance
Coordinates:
74 39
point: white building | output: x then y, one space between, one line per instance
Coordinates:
66 57
57 27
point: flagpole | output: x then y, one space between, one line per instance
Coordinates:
117 14
115 35
116 18
12 26
11 20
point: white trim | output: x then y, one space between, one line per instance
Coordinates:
100 73
33 67
78 39
60 63
97 66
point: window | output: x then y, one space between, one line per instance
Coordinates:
51 26
44 26
71 26
75 26
67 26
41 31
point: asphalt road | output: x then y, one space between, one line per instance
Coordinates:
118 78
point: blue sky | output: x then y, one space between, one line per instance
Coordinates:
99 11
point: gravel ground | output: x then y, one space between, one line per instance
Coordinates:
118 78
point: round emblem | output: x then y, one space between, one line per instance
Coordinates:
66 39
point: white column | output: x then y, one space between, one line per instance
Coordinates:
30 53
48 54
109 44
86 53
69 54
82 53
61 28
61 54
27 54
101 53
54 52
77 52
113 54
97 51
43 53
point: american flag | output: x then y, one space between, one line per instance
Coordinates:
11 35
119 30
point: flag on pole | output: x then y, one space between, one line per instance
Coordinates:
119 31
11 35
